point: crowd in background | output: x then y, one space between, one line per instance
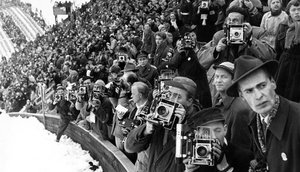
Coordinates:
106 49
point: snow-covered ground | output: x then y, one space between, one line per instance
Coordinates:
47 8
26 146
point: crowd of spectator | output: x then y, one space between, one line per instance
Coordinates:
13 31
108 62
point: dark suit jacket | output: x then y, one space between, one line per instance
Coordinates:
282 138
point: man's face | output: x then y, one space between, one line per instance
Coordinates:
193 36
295 13
275 5
181 96
259 91
235 18
143 61
222 80
135 95
172 17
219 131
158 40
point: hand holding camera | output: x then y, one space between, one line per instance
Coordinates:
222 44
150 127
248 30
180 113
188 166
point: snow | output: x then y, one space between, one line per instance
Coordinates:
47 8
26 146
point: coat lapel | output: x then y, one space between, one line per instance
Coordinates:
277 125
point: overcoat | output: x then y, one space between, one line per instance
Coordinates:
282 138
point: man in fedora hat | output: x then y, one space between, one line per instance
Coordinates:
275 128
237 112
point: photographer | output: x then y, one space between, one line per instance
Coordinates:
158 141
187 65
140 92
82 104
226 156
101 110
240 40
63 108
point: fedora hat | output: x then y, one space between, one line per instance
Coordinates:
244 66
130 67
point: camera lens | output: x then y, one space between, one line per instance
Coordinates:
202 151
162 111
236 34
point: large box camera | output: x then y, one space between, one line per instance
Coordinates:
82 90
71 96
164 112
235 34
196 145
204 4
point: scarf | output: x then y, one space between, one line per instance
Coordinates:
292 34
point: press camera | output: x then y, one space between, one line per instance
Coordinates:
196 145
187 42
163 110
235 34
204 5
82 90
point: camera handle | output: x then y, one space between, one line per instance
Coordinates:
179 138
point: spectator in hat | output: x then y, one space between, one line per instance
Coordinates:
271 20
275 126
220 48
228 157
145 69
288 52
159 141
237 113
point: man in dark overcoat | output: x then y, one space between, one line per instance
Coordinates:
275 127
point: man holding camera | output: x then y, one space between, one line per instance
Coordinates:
275 126
237 38
160 141
100 109
64 108
209 125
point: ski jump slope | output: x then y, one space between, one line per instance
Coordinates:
27 25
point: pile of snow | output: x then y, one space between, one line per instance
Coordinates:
26 146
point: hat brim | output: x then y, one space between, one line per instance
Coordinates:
271 66
223 67
130 70
213 121
174 84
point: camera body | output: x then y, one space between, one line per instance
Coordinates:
196 145
235 34
82 90
204 4
71 96
130 124
187 42
164 112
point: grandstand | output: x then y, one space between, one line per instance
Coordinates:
29 28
